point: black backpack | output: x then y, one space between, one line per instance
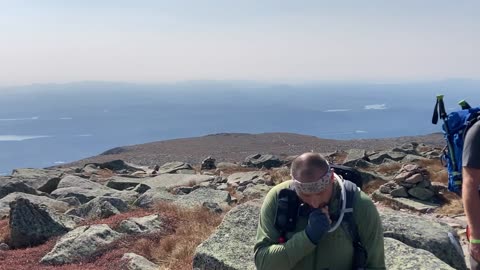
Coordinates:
289 208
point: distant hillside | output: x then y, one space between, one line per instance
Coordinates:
234 147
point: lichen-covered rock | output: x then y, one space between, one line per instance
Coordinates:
231 246
16 186
263 161
80 244
50 203
32 225
423 194
173 167
44 180
422 233
85 190
402 257
147 224
137 262
245 178
101 207
201 195
154 196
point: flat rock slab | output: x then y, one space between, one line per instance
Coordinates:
419 232
147 224
122 183
41 179
406 203
173 167
399 256
175 180
154 196
353 156
85 190
245 178
203 195
50 203
80 244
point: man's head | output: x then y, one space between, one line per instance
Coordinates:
313 179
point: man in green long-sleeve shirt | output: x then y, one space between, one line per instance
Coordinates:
314 244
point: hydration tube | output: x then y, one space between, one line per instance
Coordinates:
344 203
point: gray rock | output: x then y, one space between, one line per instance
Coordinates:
137 262
387 188
405 203
422 233
241 188
50 203
85 190
32 225
202 195
71 201
154 196
381 156
227 165
208 164
408 148
117 166
101 207
231 246
141 188
147 224
354 156
173 167
245 178
263 161
412 158
123 183
41 179
222 187
80 243
256 192
414 179
368 176
4 247
423 194
16 186
399 192
399 256
424 184
432 154
176 180
189 172
213 207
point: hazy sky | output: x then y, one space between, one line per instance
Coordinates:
273 40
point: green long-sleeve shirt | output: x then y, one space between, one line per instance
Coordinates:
333 252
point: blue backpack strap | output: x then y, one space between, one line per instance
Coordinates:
360 253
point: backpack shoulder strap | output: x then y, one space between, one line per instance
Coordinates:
360 253
286 214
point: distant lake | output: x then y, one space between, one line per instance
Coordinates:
47 125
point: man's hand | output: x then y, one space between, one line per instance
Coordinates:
318 225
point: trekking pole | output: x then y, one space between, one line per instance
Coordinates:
464 104
443 115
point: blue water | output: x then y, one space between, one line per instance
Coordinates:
45 125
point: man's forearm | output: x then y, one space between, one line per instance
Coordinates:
471 200
284 256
